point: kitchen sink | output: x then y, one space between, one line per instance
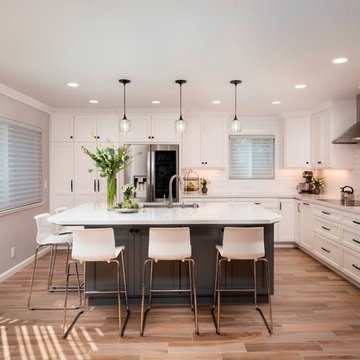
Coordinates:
166 205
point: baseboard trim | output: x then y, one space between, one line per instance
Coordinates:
21 265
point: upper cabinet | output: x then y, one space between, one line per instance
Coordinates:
308 139
297 143
203 144
78 128
152 129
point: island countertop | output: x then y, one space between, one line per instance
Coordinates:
206 213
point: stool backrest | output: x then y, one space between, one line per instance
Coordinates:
44 228
169 243
243 242
93 244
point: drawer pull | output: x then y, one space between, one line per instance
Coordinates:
326 250
325 212
356 267
357 241
305 203
325 228
356 222
257 203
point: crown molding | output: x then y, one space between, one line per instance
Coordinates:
16 95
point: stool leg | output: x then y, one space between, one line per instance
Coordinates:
150 283
195 298
119 296
142 314
124 281
191 287
33 275
216 279
50 266
218 297
255 285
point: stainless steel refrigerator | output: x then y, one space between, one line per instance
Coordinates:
151 171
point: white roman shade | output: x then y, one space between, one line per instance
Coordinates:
251 157
20 164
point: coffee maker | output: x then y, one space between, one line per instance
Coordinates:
307 186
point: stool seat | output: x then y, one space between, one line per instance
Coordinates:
56 239
93 256
248 256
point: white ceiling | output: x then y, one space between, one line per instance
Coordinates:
269 44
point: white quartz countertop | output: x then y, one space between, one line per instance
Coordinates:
206 213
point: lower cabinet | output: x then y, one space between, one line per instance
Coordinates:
286 223
351 263
307 219
328 250
297 221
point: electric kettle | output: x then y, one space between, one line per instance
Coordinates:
346 195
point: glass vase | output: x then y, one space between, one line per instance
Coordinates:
111 191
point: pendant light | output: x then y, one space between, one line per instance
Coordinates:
125 125
235 124
180 125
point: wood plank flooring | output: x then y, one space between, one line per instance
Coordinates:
316 316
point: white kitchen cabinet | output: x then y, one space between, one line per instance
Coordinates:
307 238
157 129
62 178
327 123
297 142
298 222
62 128
108 128
84 125
286 223
203 144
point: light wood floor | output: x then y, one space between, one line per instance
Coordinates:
316 316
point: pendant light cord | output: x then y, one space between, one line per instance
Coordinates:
124 102
235 118
180 102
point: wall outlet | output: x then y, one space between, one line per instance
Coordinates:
12 252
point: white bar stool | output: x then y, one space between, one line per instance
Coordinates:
45 237
241 243
169 244
97 245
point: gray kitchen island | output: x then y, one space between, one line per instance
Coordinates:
206 224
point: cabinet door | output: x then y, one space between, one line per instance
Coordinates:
84 125
62 128
214 143
62 169
286 222
297 142
85 184
140 129
307 239
297 222
191 145
163 129
321 140
108 128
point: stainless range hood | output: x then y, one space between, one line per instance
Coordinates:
351 135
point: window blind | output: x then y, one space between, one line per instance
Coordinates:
251 157
20 164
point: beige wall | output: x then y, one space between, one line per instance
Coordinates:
18 229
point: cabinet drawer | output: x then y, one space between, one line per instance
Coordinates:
327 213
328 250
351 238
352 220
271 204
327 228
351 264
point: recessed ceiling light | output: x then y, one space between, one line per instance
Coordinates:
300 86
155 102
276 102
340 60
216 102
94 101
72 84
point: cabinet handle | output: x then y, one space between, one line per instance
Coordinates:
72 185
202 162
325 212
206 162
136 231
356 222
153 137
71 137
280 206
357 241
94 185
98 137
298 207
98 185
305 203
319 162
257 203
307 162
356 267
325 228
149 137
326 250
131 231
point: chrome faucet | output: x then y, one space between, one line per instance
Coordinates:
170 188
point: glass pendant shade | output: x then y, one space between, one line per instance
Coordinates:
236 126
125 125
180 124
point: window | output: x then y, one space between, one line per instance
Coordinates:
20 164
251 157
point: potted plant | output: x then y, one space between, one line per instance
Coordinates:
110 161
204 182
318 183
